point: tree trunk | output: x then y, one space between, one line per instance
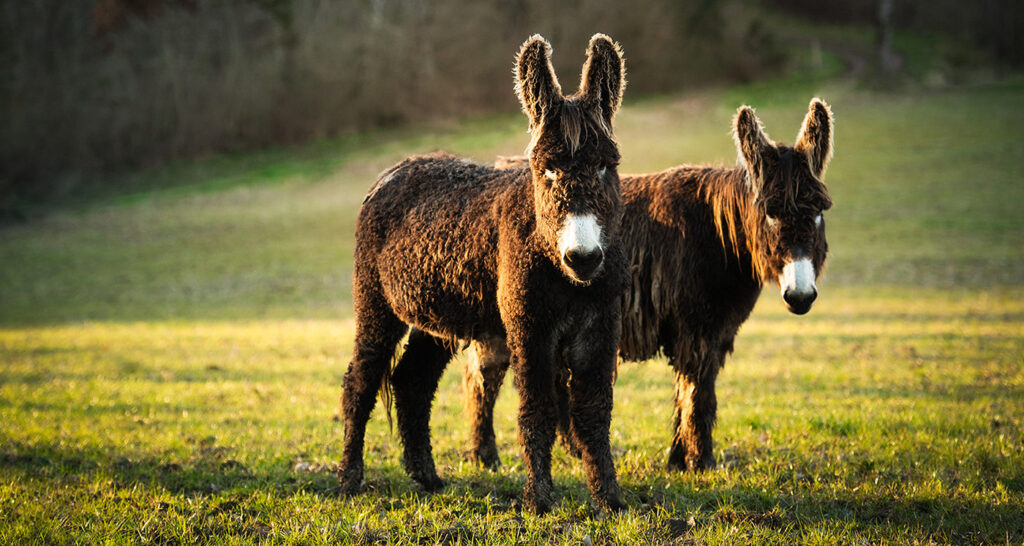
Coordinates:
886 58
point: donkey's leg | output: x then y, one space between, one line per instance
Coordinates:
565 436
481 380
537 418
590 413
378 331
694 416
415 382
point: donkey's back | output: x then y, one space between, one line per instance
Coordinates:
430 189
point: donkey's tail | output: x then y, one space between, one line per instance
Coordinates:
386 390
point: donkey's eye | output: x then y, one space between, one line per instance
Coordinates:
770 220
602 171
817 220
551 175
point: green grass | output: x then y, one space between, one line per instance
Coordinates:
168 360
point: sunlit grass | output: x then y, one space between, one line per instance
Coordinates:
877 416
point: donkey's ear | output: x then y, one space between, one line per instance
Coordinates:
604 77
536 84
754 147
815 138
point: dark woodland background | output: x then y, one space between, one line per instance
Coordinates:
92 87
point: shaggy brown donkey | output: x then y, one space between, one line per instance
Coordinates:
702 242
529 259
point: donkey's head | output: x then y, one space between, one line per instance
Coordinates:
786 221
573 155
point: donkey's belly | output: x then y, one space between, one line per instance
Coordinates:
450 317
452 327
445 296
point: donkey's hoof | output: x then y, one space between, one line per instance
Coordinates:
538 499
538 506
695 462
487 458
676 461
350 479
613 504
430 483
350 485
703 464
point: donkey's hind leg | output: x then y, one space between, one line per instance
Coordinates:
378 331
482 376
565 436
414 382
694 415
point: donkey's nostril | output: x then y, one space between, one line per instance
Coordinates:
576 258
799 302
584 263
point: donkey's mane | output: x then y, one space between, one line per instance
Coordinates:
576 121
731 198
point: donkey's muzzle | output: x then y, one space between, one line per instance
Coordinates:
799 303
584 264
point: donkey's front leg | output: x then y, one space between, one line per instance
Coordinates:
590 415
694 416
482 376
537 416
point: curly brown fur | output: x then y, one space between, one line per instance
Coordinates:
414 381
701 246
481 384
462 251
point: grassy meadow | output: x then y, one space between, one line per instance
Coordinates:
171 352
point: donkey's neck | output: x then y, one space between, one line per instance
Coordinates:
730 197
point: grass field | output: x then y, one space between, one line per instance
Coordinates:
170 360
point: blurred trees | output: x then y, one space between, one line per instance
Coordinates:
993 26
886 57
223 75
180 78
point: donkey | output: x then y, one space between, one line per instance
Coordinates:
529 259
702 242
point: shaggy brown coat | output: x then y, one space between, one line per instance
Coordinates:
462 251
702 242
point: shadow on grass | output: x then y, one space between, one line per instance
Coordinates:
940 519
207 471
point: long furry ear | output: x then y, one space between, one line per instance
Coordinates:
536 84
754 147
815 137
604 77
